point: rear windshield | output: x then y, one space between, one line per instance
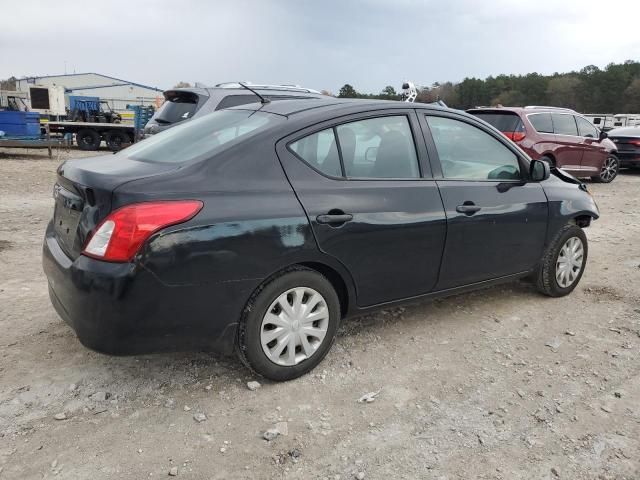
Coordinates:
202 137
505 122
176 109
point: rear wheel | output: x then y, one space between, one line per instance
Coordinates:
609 171
88 139
289 324
563 263
117 140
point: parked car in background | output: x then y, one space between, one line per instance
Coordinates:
627 141
182 104
258 228
561 137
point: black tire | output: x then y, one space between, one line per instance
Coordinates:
88 139
249 345
117 140
609 171
546 280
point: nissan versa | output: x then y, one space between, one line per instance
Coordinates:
258 228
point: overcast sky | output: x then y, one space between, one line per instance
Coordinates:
321 44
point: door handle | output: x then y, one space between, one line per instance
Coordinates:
468 208
333 219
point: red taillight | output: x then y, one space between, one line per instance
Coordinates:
119 237
635 142
515 136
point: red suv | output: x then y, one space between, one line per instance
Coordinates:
559 136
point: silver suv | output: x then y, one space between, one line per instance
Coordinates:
182 104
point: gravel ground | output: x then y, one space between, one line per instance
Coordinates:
499 384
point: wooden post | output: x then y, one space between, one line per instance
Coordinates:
46 129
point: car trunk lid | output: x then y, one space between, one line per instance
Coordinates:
83 195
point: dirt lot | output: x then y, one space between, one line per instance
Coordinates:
499 384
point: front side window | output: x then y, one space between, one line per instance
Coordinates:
585 128
320 150
378 148
468 153
564 124
541 122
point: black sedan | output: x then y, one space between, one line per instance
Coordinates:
258 228
627 140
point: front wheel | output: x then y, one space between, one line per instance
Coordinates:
289 324
563 263
609 170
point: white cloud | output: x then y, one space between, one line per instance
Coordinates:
320 44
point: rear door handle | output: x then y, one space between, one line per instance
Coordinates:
468 208
334 218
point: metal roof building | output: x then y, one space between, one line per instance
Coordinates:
116 91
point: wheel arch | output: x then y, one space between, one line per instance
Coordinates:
336 280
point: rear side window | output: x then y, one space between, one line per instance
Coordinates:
468 153
541 122
373 148
585 128
235 100
378 148
200 138
564 124
320 150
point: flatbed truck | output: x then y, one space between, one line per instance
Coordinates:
89 135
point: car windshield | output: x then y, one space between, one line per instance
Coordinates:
208 135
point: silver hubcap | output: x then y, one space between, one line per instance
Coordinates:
569 262
294 326
609 169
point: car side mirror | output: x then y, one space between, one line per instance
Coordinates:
603 135
539 170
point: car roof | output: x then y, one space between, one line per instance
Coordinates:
625 131
229 90
294 106
523 110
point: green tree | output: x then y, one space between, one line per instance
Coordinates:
563 91
388 91
347 91
8 84
632 97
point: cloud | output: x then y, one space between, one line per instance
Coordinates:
369 44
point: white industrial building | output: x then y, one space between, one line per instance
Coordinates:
119 93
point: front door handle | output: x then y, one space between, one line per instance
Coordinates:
334 218
468 208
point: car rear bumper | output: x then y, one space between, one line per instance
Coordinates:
628 159
122 308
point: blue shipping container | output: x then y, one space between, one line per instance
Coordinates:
25 124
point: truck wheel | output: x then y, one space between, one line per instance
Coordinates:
88 139
117 140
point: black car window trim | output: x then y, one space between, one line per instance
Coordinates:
498 136
355 117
